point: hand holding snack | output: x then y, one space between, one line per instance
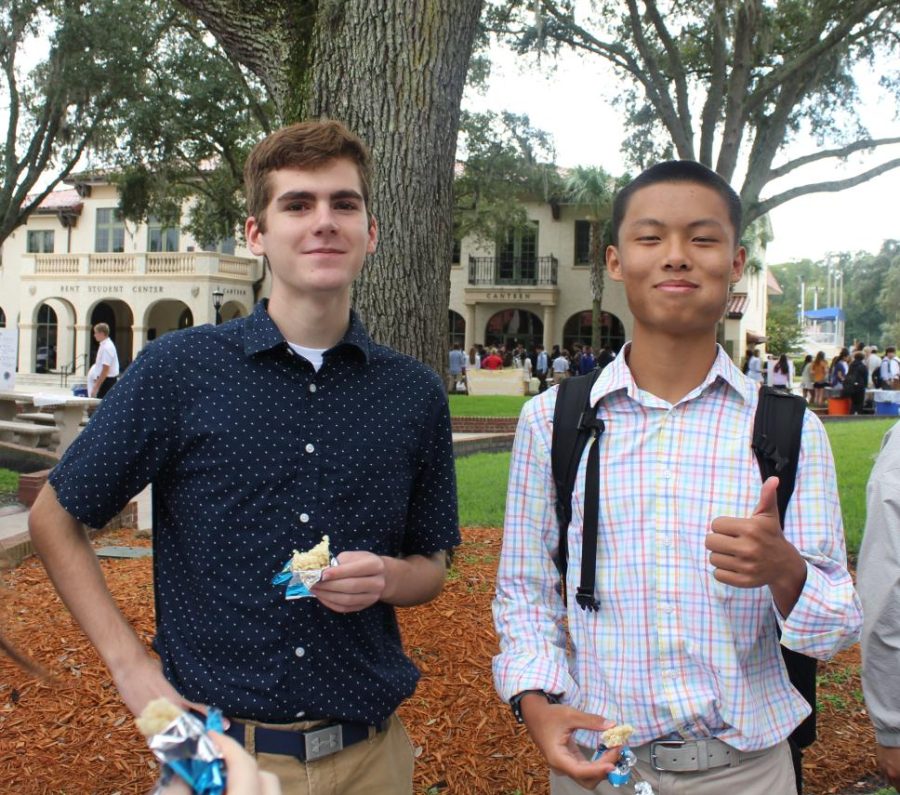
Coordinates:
551 726
180 742
625 770
357 582
244 775
303 570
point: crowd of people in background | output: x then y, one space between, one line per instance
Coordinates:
848 375
548 367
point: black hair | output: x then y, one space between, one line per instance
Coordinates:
678 171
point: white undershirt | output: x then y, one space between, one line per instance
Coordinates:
312 355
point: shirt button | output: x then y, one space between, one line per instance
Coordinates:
310 448
304 517
300 714
299 651
312 387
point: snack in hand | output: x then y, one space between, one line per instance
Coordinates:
617 735
180 742
158 714
318 557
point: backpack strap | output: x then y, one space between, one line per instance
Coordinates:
574 421
777 434
777 431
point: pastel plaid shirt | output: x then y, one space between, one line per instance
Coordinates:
672 650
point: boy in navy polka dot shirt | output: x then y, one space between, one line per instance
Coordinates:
260 436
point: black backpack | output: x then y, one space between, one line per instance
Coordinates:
777 431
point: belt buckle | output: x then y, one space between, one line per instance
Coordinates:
323 742
664 744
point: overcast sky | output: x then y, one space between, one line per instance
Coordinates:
570 103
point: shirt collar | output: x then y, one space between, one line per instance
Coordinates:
617 376
261 333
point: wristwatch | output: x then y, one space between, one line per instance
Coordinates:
516 702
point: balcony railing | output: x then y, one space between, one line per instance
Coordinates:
531 271
155 264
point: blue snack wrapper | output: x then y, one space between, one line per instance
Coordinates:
185 750
624 770
298 582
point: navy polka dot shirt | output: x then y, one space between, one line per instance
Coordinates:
253 454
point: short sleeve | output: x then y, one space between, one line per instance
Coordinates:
125 444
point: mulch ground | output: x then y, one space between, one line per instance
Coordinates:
71 734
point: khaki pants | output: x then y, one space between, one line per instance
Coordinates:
770 773
381 765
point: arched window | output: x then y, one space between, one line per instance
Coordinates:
457 328
45 340
511 327
578 329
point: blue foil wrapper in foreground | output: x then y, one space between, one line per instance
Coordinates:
184 749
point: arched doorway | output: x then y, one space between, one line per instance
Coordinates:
167 315
457 327
511 327
230 310
45 339
578 329
120 319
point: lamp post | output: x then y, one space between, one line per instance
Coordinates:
217 297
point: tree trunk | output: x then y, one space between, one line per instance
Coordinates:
393 71
598 272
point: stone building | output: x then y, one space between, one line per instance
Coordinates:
534 287
76 263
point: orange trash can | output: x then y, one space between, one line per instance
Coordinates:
838 406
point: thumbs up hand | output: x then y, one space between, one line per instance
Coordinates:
752 552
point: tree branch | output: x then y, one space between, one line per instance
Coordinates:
682 95
868 143
820 44
660 98
716 90
746 19
833 186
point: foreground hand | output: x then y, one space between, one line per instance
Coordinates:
889 762
749 553
357 582
551 727
244 776
141 682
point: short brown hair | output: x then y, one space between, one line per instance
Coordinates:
305 145
102 328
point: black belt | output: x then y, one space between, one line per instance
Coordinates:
309 744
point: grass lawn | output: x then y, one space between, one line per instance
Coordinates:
486 405
482 478
855 446
9 480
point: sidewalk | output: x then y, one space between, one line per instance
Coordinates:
15 542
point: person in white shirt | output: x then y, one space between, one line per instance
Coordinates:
890 369
754 366
873 362
560 367
781 373
105 372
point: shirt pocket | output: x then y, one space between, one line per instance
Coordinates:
373 483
